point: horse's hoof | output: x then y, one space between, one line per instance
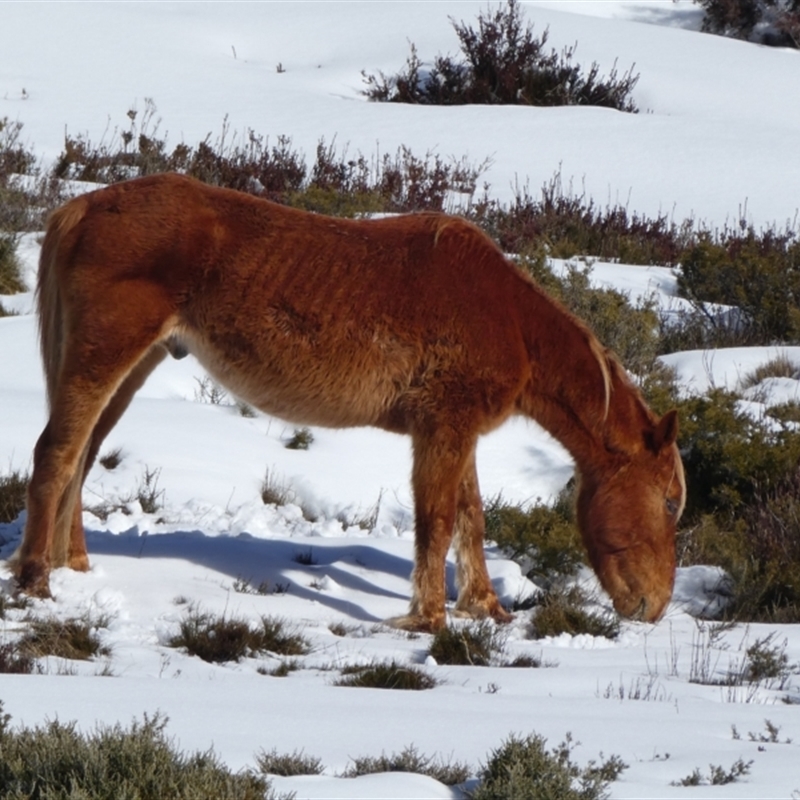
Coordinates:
479 611
33 580
80 563
416 623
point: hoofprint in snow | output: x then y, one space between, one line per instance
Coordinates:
631 697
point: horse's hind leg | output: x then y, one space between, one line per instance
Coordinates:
93 368
76 557
476 595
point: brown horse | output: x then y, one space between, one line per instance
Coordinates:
415 324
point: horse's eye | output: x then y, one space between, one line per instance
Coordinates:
672 507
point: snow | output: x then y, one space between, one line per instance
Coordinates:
718 129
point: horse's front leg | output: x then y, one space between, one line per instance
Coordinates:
476 595
439 462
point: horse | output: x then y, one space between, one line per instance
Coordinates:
417 324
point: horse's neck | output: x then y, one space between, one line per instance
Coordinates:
576 393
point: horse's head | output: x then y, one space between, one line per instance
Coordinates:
628 510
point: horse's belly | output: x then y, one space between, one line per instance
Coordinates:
318 390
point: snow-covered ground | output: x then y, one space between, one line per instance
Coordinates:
719 126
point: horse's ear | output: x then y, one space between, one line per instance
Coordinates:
666 431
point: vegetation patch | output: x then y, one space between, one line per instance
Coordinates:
561 610
770 22
503 63
409 759
137 762
477 645
73 638
717 775
386 675
288 764
543 539
13 494
220 639
524 769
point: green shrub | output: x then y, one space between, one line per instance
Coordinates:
759 548
503 63
57 762
543 539
409 760
757 273
219 639
727 454
523 769
387 675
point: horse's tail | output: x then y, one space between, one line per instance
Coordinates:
49 296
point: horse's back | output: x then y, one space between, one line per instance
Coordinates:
317 319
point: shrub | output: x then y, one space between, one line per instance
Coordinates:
217 639
562 610
274 491
387 675
56 761
564 224
759 274
503 63
542 539
296 763
409 760
717 775
477 645
759 548
770 22
13 492
525 770
73 638
337 183
15 662
779 367
728 454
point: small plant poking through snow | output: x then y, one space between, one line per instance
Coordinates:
564 611
13 490
74 638
111 460
301 439
717 775
477 645
523 769
220 639
386 675
288 764
409 760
